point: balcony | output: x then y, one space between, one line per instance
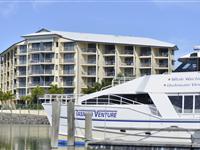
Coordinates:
145 54
41 49
22 62
163 65
127 52
145 64
109 73
22 73
128 74
68 83
109 52
89 50
129 63
22 84
89 73
41 72
68 71
38 83
68 60
162 54
41 61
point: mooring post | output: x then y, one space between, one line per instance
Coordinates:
88 126
70 124
55 123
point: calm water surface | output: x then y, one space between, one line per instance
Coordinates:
26 137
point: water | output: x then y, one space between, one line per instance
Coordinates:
27 137
37 137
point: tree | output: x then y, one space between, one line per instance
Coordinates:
7 98
96 87
36 93
27 99
54 89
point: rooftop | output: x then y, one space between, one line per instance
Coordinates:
103 38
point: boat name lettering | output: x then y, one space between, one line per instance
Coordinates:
98 113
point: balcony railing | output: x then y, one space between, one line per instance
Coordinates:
22 51
68 60
163 65
89 50
41 72
22 62
110 73
109 51
127 52
44 83
68 71
127 63
91 61
89 73
145 64
68 49
110 62
35 49
68 83
22 84
163 54
145 54
21 73
127 74
41 61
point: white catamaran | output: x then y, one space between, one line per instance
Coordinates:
150 108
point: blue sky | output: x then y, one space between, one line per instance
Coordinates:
173 21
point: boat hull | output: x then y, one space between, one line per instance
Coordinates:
125 122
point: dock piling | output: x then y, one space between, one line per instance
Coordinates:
70 123
88 126
55 123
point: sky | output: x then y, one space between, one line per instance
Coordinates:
175 21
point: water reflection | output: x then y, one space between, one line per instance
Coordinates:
24 137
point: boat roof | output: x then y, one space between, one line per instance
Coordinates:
191 55
186 82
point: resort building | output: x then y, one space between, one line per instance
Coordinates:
77 60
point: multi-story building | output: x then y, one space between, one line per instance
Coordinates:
77 60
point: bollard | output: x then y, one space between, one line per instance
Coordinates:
70 124
88 126
55 123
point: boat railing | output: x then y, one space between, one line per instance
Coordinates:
63 98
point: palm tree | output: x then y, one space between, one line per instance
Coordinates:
27 99
54 89
96 87
8 97
36 93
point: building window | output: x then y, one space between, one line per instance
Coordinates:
68 69
69 57
22 59
56 44
22 92
22 48
69 46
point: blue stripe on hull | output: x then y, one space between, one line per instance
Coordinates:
142 121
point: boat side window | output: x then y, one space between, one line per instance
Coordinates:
176 102
197 104
188 104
